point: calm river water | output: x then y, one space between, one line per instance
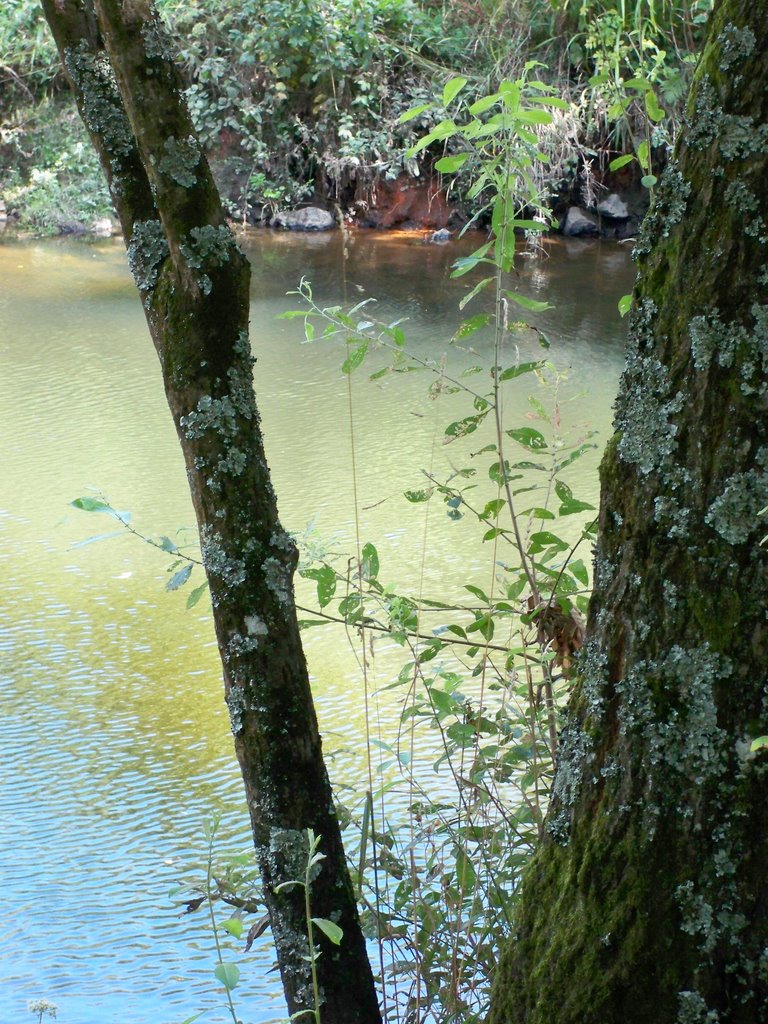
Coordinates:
115 744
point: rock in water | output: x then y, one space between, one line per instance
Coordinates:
580 224
312 218
613 207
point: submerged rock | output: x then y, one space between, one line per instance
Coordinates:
579 223
440 237
312 218
613 207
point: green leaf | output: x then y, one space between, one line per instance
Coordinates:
759 743
179 578
493 508
463 427
89 504
416 496
533 304
325 578
529 437
643 156
413 112
648 180
370 562
625 304
652 108
579 570
478 288
483 104
228 975
545 539
449 164
474 323
330 929
517 371
532 117
480 594
194 595
355 357
309 330
621 161
234 926
452 89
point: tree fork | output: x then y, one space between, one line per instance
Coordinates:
647 901
194 285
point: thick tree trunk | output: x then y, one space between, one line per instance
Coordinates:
648 900
194 285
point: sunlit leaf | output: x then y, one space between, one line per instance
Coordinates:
450 164
370 562
529 437
179 578
521 368
234 926
330 929
228 975
452 89
413 112
522 300
621 161
417 496
355 357
194 595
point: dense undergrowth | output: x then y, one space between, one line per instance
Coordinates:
303 100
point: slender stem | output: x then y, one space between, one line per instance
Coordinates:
312 847
219 955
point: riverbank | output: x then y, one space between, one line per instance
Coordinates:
301 105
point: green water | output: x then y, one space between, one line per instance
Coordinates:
115 743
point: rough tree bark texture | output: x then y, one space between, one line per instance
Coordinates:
194 285
648 900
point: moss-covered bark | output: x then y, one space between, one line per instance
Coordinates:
194 285
648 900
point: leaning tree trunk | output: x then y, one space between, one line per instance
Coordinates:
647 902
194 285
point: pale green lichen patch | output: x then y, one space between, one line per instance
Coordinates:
103 111
157 40
255 625
236 706
180 159
736 44
692 1009
737 135
277 576
669 206
230 570
207 248
733 344
216 415
146 252
746 204
734 513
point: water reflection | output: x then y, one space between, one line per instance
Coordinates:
115 743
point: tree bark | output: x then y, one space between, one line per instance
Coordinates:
194 285
648 899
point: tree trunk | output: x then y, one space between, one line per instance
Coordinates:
194 285
647 902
